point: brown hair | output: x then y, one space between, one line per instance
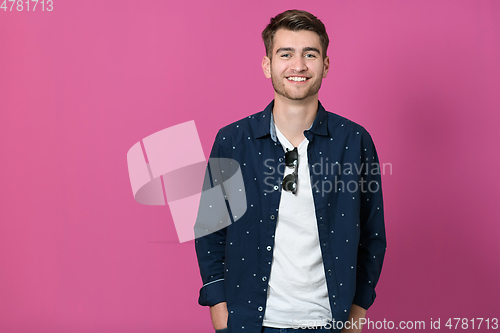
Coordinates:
294 20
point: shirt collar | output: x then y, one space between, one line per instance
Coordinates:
267 127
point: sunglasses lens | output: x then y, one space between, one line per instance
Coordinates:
291 157
290 183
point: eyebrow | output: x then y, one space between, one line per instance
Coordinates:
305 49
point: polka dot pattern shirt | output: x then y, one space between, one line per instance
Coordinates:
235 261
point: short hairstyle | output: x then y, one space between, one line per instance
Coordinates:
294 20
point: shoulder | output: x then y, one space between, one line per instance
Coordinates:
250 126
340 126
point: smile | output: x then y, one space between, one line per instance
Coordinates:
297 78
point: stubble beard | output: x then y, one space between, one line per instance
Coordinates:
279 88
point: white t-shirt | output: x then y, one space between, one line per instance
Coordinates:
297 286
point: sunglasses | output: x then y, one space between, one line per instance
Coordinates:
292 161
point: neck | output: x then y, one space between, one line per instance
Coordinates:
293 117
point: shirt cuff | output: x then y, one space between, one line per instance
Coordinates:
212 293
364 296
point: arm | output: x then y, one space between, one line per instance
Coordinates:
219 315
355 315
372 242
210 241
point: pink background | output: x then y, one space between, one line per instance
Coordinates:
80 85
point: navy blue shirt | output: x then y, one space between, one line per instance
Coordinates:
235 261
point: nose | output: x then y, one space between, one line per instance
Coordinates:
299 64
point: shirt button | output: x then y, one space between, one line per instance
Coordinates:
268 248
260 308
264 278
272 217
276 187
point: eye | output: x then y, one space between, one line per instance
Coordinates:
285 55
310 55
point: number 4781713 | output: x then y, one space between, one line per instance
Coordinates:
25 5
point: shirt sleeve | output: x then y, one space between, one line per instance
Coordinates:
210 248
372 243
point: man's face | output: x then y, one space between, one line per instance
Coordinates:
297 66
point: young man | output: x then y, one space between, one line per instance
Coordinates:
308 250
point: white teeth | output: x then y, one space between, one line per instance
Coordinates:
294 78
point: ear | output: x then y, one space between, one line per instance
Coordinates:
326 66
266 67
